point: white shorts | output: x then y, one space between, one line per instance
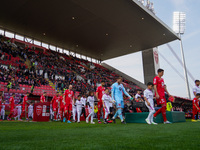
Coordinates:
79 109
73 107
151 107
91 109
2 112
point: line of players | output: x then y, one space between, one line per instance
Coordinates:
65 104
16 111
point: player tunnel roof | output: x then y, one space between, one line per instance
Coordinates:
100 29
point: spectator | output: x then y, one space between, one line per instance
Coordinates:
9 85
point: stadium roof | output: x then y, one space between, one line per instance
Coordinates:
100 29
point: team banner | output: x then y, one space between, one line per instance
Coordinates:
156 59
41 112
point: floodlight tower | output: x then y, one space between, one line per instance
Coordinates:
179 21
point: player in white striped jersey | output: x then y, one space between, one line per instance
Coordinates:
111 111
30 111
90 102
78 108
83 100
19 110
74 112
106 98
148 97
3 105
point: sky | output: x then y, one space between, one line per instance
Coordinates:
132 64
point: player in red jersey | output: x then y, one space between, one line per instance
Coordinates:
12 105
61 106
160 89
42 98
25 106
195 108
99 93
1 100
55 102
69 100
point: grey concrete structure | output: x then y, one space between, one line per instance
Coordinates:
148 65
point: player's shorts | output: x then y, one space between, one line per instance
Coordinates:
61 110
79 109
107 108
161 101
120 104
55 108
11 109
91 109
194 110
73 107
151 107
100 104
23 108
68 107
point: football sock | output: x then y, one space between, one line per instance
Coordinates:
55 116
116 114
151 117
10 115
120 114
69 116
197 116
74 116
92 117
106 114
163 110
66 115
157 112
98 114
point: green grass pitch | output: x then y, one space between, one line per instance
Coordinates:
57 135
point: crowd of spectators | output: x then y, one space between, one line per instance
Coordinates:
59 68
14 76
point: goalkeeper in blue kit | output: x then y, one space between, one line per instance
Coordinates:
117 95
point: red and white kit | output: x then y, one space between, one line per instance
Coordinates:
68 100
55 102
159 82
42 99
101 91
